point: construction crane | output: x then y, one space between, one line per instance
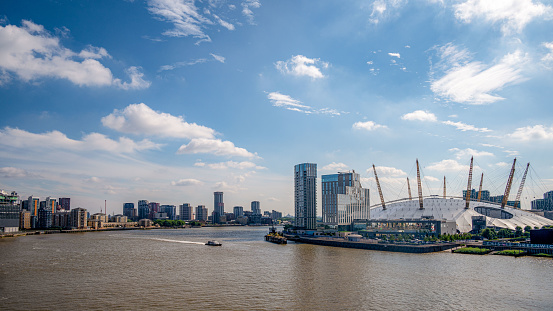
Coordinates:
467 196
444 187
480 189
409 189
420 186
379 189
508 187
517 200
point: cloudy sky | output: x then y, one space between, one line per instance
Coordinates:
171 100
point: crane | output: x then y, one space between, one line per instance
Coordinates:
379 189
467 196
420 186
508 187
517 200
480 189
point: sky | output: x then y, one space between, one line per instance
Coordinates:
170 100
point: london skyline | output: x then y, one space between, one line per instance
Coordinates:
171 101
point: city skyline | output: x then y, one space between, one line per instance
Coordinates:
174 100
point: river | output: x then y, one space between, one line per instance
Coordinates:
173 269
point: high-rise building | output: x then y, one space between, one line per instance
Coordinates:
218 206
201 213
65 203
256 208
51 204
129 211
154 208
10 209
238 211
45 218
79 218
143 209
305 196
170 210
33 205
343 200
185 211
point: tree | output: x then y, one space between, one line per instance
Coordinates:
518 231
489 234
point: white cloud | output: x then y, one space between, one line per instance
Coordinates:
368 125
223 23
467 153
395 55
143 120
420 115
246 9
387 171
381 9
230 164
218 57
14 172
300 65
466 127
30 53
183 14
289 103
513 15
335 167
448 166
182 64
532 133
187 182
55 140
214 146
473 82
548 58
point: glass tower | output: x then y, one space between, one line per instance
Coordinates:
305 196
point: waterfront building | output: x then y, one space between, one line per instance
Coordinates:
170 210
343 200
24 219
154 208
129 211
185 211
65 203
201 213
62 219
276 215
44 218
305 196
51 204
79 218
218 206
10 209
545 204
238 211
143 209
256 208
33 205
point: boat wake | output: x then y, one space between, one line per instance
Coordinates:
177 241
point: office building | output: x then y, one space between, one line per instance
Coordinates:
154 208
45 217
256 208
51 204
201 213
305 196
185 211
238 211
218 207
143 209
129 211
343 200
170 210
33 203
65 203
10 209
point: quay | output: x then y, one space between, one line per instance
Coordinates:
373 245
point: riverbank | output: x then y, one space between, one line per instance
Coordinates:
374 245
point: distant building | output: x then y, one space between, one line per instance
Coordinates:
10 209
24 219
201 213
65 203
305 196
62 219
145 223
343 200
170 210
185 211
45 217
474 195
276 215
218 206
130 211
33 204
256 208
545 204
143 209
238 211
51 204
79 218
154 208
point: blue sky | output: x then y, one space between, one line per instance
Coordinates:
170 101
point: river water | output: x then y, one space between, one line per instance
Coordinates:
173 269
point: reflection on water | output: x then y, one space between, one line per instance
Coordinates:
172 269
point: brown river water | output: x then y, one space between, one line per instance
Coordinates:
173 269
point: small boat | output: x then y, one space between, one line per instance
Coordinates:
213 243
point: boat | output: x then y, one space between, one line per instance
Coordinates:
213 243
275 237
